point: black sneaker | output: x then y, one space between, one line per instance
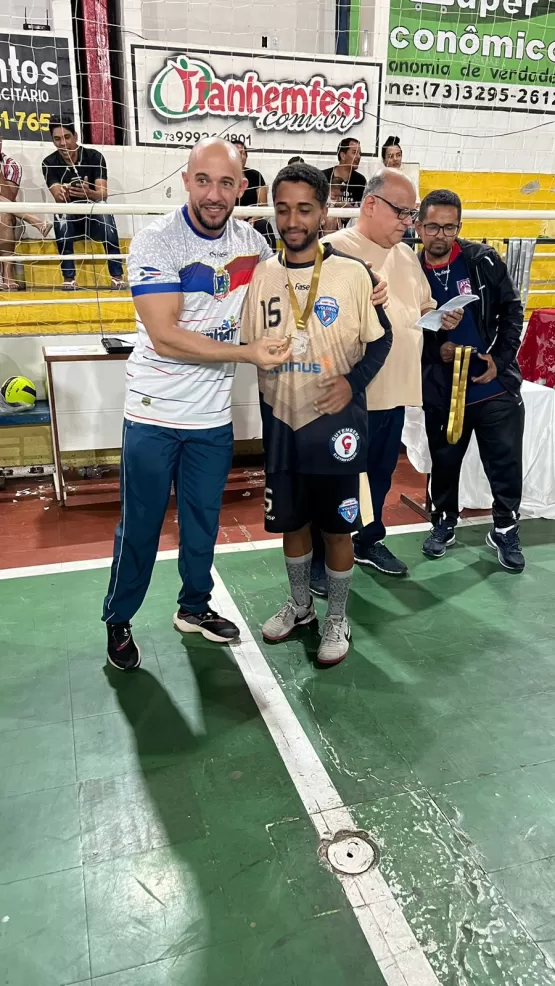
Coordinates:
507 547
318 582
380 557
210 624
441 537
123 652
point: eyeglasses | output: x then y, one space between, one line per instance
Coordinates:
450 229
402 213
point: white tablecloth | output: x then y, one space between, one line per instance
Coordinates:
538 495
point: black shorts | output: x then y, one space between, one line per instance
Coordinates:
292 500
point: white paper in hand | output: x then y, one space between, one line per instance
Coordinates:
432 320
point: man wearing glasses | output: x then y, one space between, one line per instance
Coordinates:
492 406
388 208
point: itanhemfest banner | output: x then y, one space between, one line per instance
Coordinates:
277 103
481 54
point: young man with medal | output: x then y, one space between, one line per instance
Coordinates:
313 406
471 380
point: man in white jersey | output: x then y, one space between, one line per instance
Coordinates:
189 272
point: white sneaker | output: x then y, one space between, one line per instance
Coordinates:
336 635
288 618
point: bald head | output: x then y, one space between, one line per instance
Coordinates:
214 181
388 182
213 149
388 207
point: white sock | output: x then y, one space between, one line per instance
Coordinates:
339 584
298 571
503 530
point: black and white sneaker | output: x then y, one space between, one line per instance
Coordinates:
209 624
379 556
441 537
508 548
123 652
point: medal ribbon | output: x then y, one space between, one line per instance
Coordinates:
301 320
461 364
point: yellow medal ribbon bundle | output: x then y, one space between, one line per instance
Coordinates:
461 364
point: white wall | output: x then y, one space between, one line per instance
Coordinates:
292 25
470 140
12 14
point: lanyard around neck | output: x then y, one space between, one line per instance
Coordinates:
301 320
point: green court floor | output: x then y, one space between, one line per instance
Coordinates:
150 833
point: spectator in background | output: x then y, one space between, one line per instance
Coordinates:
256 192
10 180
296 160
331 223
345 174
392 157
392 154
78 174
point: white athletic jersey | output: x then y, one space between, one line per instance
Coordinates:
213 273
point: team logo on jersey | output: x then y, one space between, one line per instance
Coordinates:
222 283
326 310
149 273
348 510
344 444
464 287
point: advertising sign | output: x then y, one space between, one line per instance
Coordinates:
37 84
481 54
297 104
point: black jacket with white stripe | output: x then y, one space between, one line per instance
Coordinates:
499 318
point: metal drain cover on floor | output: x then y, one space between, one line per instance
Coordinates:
351 852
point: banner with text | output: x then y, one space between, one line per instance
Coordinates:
37 84
494 54
291 104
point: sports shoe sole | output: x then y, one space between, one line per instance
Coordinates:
117 667
185 627
448 544
308 620
509 568
385 571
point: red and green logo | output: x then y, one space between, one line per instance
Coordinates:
187 87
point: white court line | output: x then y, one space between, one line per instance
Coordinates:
400 957
56 568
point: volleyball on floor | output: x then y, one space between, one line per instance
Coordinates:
18 392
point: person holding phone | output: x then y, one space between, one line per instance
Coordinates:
74 173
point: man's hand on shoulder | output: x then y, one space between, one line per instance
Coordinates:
380 294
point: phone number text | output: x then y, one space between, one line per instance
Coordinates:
193 136
422 92
20 121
